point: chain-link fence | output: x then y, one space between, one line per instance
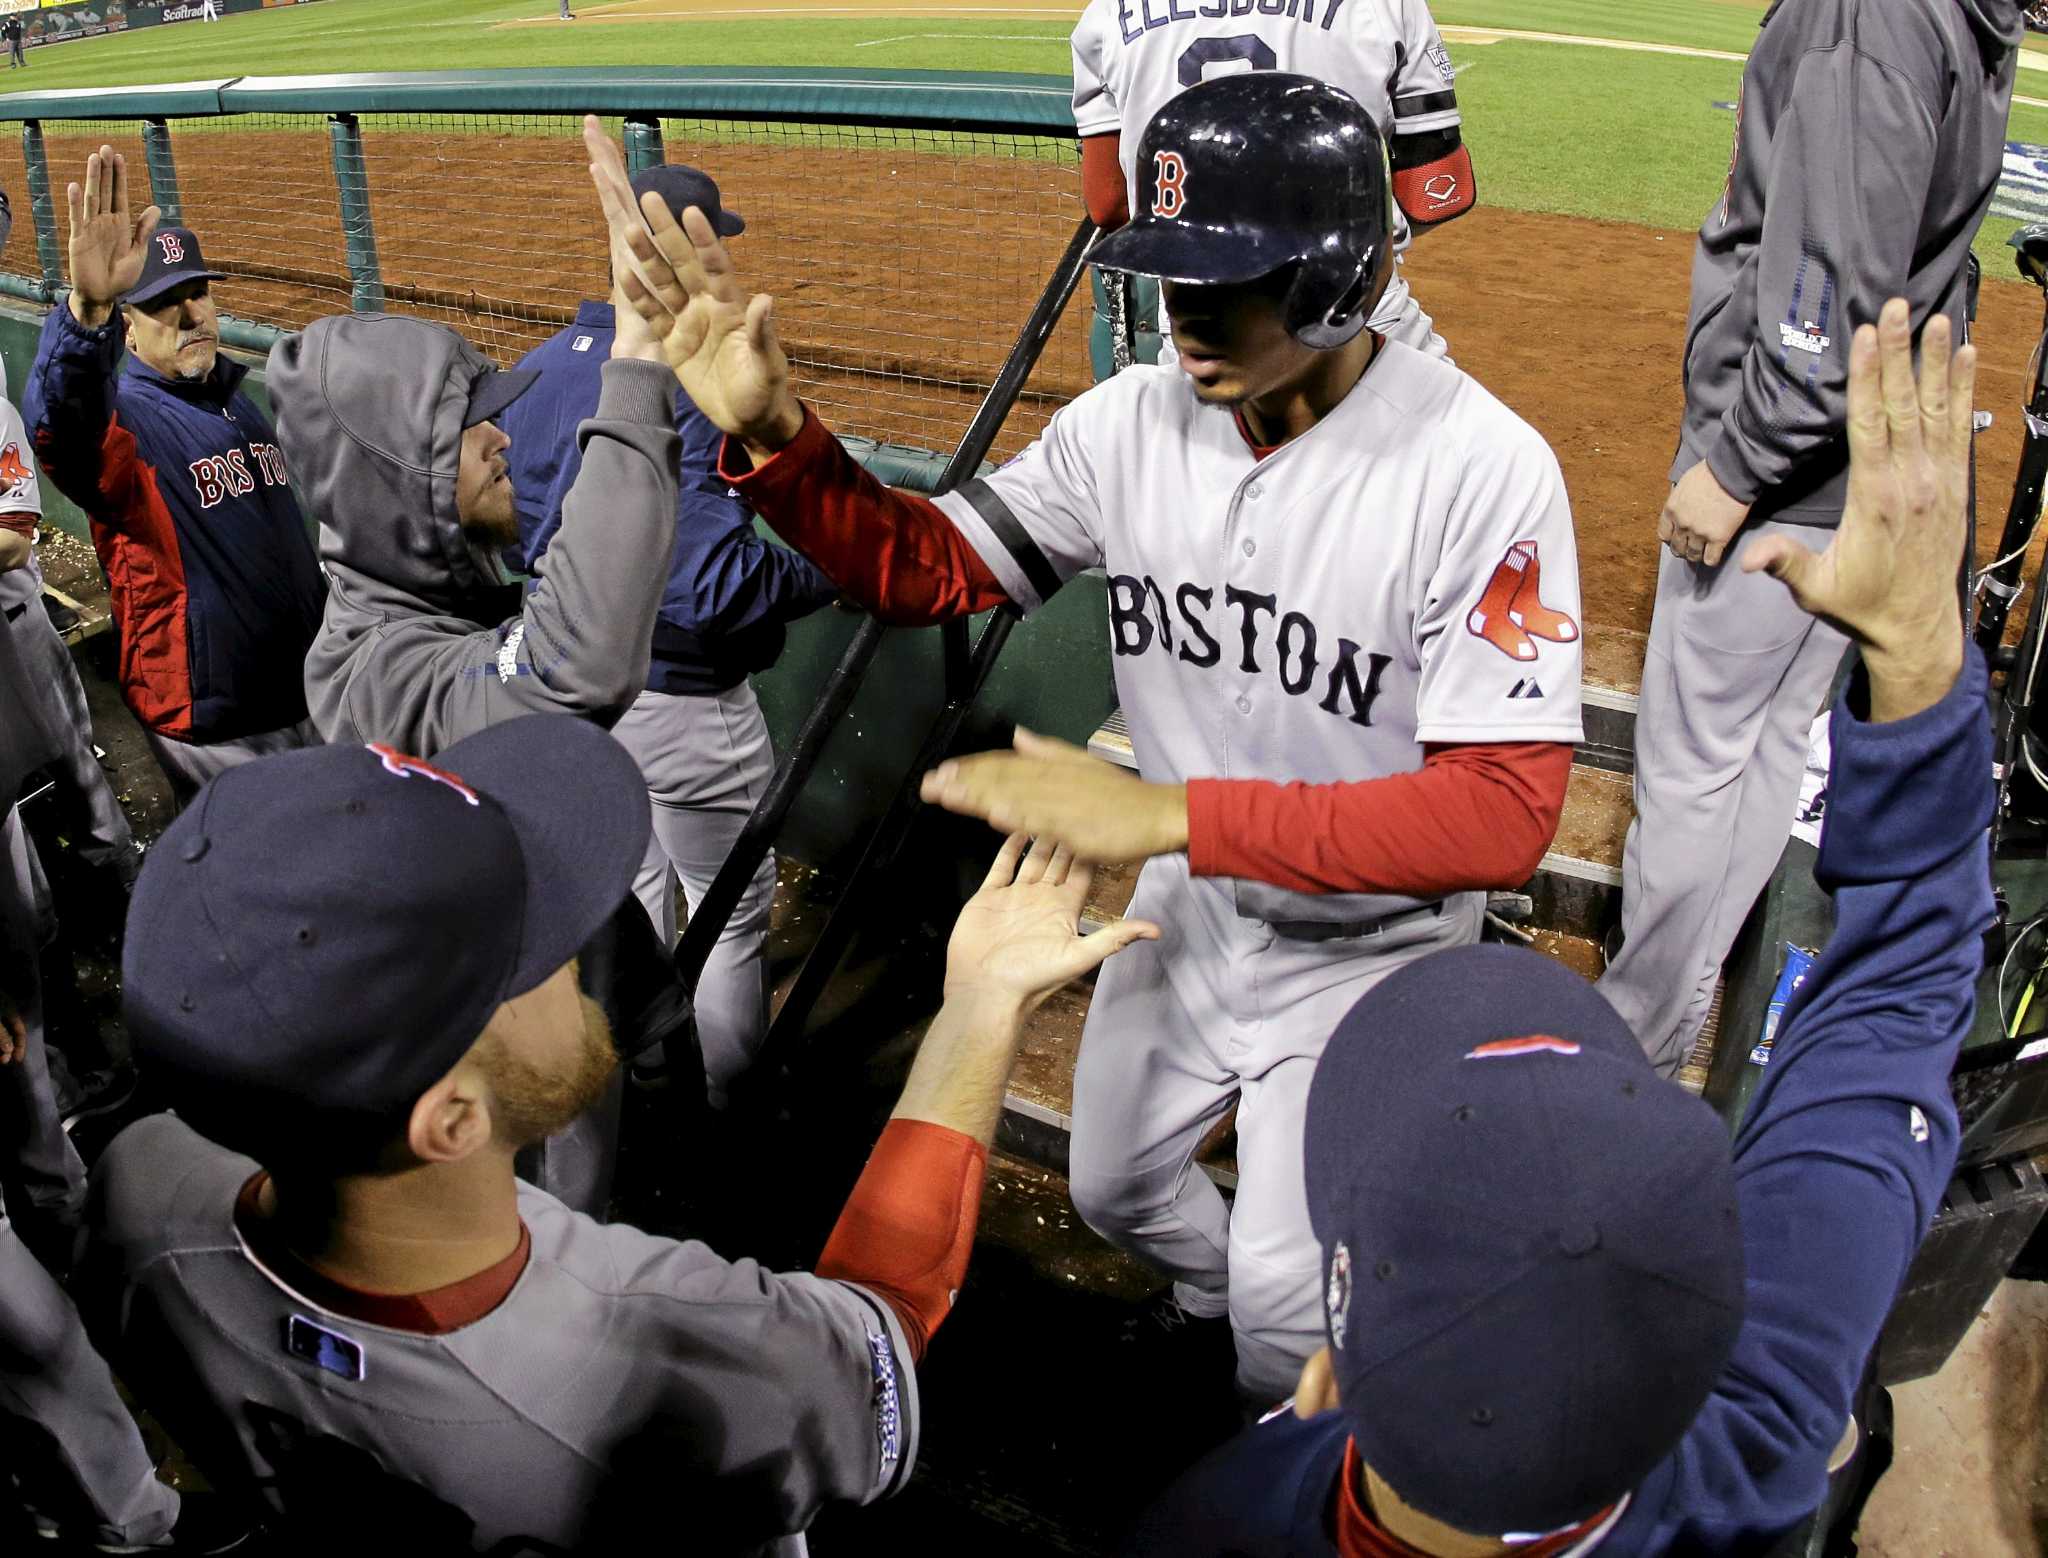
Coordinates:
904 260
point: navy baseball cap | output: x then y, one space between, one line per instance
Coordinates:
171 259
331 929
496 388
1532 1257
680 187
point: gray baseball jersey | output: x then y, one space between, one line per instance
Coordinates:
1132 56
625 1383
1317 615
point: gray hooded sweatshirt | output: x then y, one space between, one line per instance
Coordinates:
426 639
1867 147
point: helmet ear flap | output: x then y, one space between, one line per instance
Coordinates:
1331 297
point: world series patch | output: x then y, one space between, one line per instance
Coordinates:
888 1406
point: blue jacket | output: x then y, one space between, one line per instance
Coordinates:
729 591
210 571
1840 1165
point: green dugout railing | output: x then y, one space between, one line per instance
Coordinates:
962 104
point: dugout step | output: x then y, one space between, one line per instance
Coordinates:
1608 695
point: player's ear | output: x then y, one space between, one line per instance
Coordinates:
451 1119
1316 1390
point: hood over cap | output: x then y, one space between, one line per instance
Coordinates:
370 411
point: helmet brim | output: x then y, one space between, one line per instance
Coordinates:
1196 253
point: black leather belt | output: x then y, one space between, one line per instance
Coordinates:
1342 930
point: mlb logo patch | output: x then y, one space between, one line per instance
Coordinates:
311 1342
582 343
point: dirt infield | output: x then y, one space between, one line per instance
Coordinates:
904 264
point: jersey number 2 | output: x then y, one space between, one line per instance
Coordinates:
1196 59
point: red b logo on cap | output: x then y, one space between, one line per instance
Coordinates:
173 247
1169 189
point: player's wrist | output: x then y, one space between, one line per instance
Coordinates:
987 1007
1168 819
776 429
1903 684
90 312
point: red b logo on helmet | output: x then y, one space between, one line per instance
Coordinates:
1169 189
173 247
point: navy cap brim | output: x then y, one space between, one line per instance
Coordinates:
1192 252
495 390
141 297
578 803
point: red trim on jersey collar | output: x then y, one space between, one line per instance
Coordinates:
1359 1535
1259 450
432 1313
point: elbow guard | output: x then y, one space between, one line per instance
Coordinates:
1433 192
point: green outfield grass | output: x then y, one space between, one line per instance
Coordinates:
1609 134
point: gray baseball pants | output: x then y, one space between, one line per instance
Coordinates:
189 764
75 1448
98 826
707 760
1734 676
1223 1008
39 1171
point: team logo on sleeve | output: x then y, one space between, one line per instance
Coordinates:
1511 614
14 470
173 247
1169 184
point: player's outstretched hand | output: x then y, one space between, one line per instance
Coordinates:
1050 789
1888 577
1016 941
108 246
681 282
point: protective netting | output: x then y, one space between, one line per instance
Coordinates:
903 262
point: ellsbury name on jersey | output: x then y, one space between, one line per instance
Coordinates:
1137 17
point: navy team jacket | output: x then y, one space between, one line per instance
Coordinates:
216 591
729 593
1840 1162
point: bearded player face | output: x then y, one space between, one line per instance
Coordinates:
548 1057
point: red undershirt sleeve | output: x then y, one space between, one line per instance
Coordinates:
1102 181
905 1232
894 552
1473 816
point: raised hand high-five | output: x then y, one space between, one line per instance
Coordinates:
108 246
680 281
1888 578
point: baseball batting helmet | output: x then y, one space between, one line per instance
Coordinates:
1249 173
